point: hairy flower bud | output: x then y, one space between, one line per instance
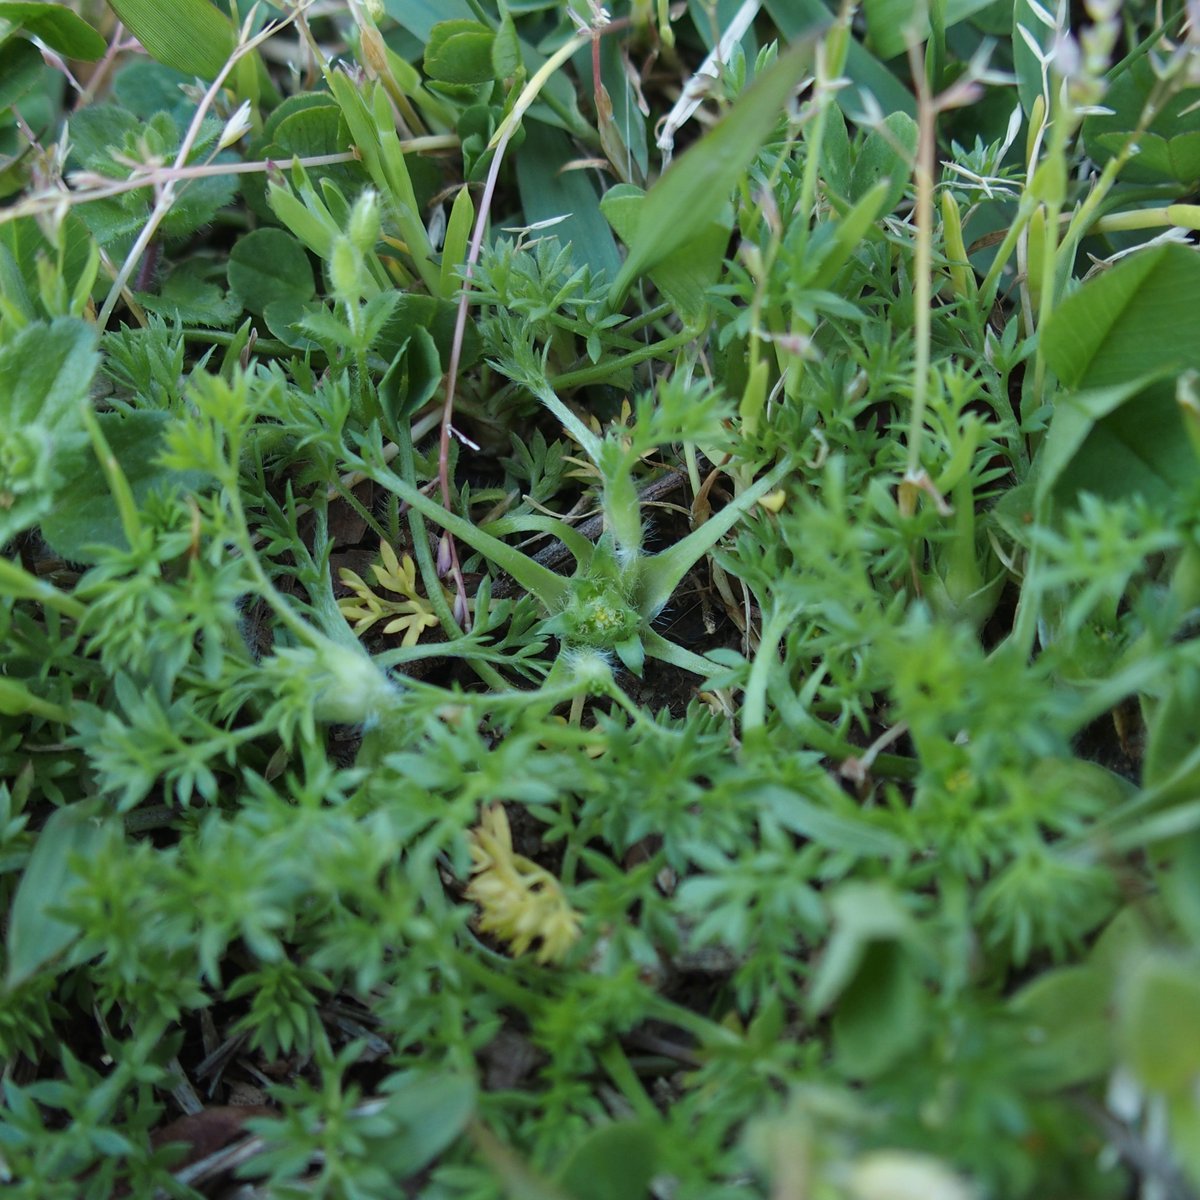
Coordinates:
345 269
363 227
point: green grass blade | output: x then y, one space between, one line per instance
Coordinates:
657 646
549 588
549 190
693 190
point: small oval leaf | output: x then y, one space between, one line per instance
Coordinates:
268 265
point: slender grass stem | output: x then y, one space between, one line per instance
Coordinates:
497 146
923 172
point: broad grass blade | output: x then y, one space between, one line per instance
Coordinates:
689 197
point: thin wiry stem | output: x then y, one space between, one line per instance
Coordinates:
498 145
922 265
88 185
166 195
102 69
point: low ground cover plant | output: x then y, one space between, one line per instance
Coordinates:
599 602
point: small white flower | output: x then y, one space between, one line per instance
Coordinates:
237 126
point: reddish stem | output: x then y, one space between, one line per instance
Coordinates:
460 329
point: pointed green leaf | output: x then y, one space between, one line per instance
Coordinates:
506 49
830 823
657 646
684 277
311 228
454 245
1075 416
1117 343
850 230
549 588
429 1112
21 69
864 914
413 376
57 26
881 1015
190 35
1169 147
1139 449
633 654
34 936
694 189
887 154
